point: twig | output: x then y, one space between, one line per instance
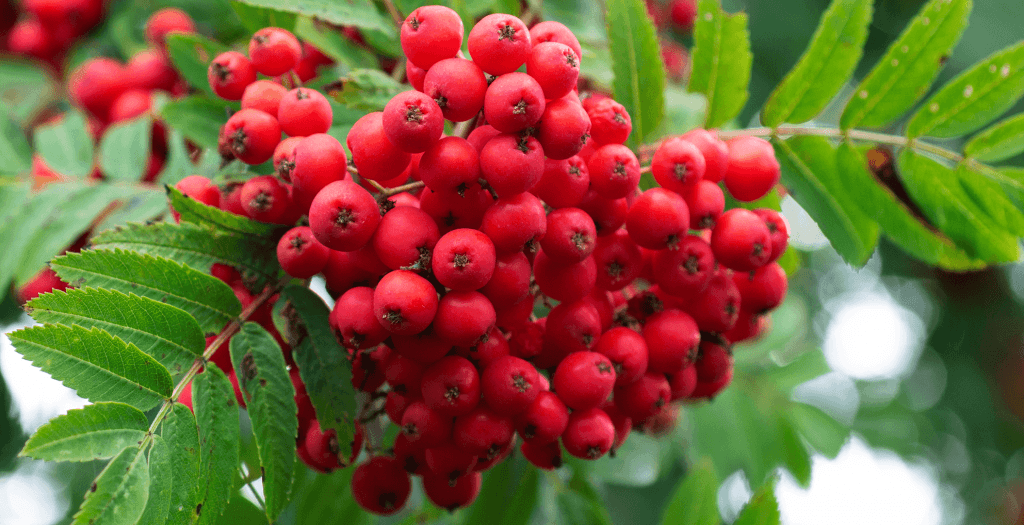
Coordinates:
396 16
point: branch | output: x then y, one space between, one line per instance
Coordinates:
396 16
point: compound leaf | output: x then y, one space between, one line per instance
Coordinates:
196 212
999 142
118 495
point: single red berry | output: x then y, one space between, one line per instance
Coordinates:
499 43
706 203
546 456
483 432
573 327
411 457
414 75
425 427
686 270
373 154
341 272
563 129
300 254
381 485
165 21
713 362
430 34
96 84
609 214
451 210
130 104
584 380
753 170
343 216
395 406
317 161
303 112
323 449
614 171
515 222
45 281
451 164
405 239
450 461
264 198
622 422
527 340
510 384
264 95
741 240
229 74
514 102
29 37
274 51
570 237
413 121
312 59
749 326
714 151
451 494
353 321
678 165
779 230
555 66
564 182
150 69
510 282
404 302
403 375
199 188
490 347
551 31
644 398
684 381
464 259
618 259
762 289
683 14
717 307
710 390
610 122
658 219
464 318
627 352
252 136
672 338
564 282
458 86
480 136
544 420
589 434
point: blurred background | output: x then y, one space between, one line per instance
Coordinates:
917 375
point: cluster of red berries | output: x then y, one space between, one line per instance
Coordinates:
47 28
436 280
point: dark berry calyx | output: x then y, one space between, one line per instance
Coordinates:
506 32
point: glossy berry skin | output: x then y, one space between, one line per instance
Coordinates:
627 352
644 398
404 302
618 259
464 318
480 136
584 380
714 151
512 164
463 259
741 240
685 271
414 75
544 420
317 160
322 448
545 456
571 236
483 432
450 165
413 121
252 135
458 86
713 362
566 283
658 219
762 289
706 203
510 385
716 309
492 346
513 102
555 66
610 122
265 199
608 214
199 188
165 21
353 322
514 222
672 338
374 155
303 112
300 254
678 165
499 43
510 282
779 230
343 216
563 129
614 171
683 382
274 51
564 182
589 434
451 386
381 485
405 237
403 375
710 390
263 95
450 461
431 34
551 31
571 327
229 74
425 427
96 84
451 494
150 69
753 170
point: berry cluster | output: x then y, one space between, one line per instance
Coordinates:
48 28
442 249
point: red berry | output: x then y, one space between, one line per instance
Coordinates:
403 375
741 240
263 95
45 281
570 237
564 182
627 352
614 171
411 457
678 165
706 203
684 381
199 188
564 282
710 390
463 259
644 398
381 485
492 346
589 434
264 198
405 238
317 161
564 129
458 86
395 406
252 136
510 384
608 214
584 380
374 155
130 104
323 449
464 318
762 289
672 338
303 112
450 461
684 14
686 270
353 321
527 340
300 254
451 494
551 31
165 21
483 432
430 34
713 361
573 327
658 219
499 43
343 216
555 66
717 307
425 427
96 84
753 170
618 259
312 59
514 222
274 51
425 347
510 282
404 302
229 74
451 386
748 327
513 102
150 69
623 424
544 420
480 136
546 456
779 230
610 122
413 121
450 165
414 75
714 151
450 210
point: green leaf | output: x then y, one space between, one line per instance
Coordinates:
999 142
507 490
217 415
974 98
581 504
994 199
241 511
810 172
721 62
366 89
637 463
938 192
683 111
28 86
824 433
270 401
334 44
900 225
66 146
14 148
762 509
161 483
205 297
191 55
830 59
359 14
180 433
124 150
327 499
255 18
160 330
179 163
908 68
636 61
98 365
118 495
583 17
795 455
197 117
198 247
97 431
322 362
695 499
145 205
196 212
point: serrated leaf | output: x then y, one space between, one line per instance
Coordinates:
14 148
191 55
366 89
205 297
999 142
270 401
96 431
974 98
906 71
66 146
255 18
639 82
161 484
196 212
198 247
762 509
322 362
896 220
830 59
160 330
124 149
180 433
217 416
937 191
99 366
721 62
695 499
810 172
359 14
118 495
824 433
197 117
334 44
